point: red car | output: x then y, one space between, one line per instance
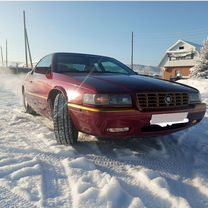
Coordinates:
100 96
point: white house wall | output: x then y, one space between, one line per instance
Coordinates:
187 47
164 61
174 63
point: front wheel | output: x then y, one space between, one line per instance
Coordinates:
64 129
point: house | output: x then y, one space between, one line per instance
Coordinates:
179 58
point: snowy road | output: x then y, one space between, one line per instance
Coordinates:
170 171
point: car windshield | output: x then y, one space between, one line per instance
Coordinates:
70 63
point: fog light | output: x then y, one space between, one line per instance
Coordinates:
194 121
118 129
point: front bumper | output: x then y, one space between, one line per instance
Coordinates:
97 122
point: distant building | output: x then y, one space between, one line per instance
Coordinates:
179 58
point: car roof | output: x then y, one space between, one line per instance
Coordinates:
80 54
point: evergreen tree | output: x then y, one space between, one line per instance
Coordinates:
200 70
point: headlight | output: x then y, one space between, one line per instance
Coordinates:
72 95
105 99
195 97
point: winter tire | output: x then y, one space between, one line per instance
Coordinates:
64 129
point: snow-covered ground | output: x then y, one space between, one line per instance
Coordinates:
170 171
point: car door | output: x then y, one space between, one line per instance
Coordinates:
39 85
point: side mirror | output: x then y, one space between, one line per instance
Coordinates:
49 73
42 70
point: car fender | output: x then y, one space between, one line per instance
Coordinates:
53 93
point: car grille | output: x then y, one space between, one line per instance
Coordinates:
162 100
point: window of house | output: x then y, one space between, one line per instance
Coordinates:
181 47
178 73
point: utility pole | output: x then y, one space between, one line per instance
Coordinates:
25 35
6 55
2 58
27 46
132 50
30 56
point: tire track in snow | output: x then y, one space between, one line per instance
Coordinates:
119 169
132 184
54 179
176 163
9 199
54 175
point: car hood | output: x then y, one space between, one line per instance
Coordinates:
133 83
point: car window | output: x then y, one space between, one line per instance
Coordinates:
68 63
69 67
43 65
112 67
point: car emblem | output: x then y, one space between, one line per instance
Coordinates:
168 99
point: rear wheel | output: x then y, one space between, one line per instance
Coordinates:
27 107
64 129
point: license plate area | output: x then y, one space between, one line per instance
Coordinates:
169 119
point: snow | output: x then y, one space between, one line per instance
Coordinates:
200 70
169 171
201 85
95 188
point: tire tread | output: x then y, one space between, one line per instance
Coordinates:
64 129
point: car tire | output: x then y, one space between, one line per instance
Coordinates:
64 129
27 107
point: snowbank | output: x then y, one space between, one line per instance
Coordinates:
93 188
201 85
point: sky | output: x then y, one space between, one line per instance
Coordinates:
102 28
